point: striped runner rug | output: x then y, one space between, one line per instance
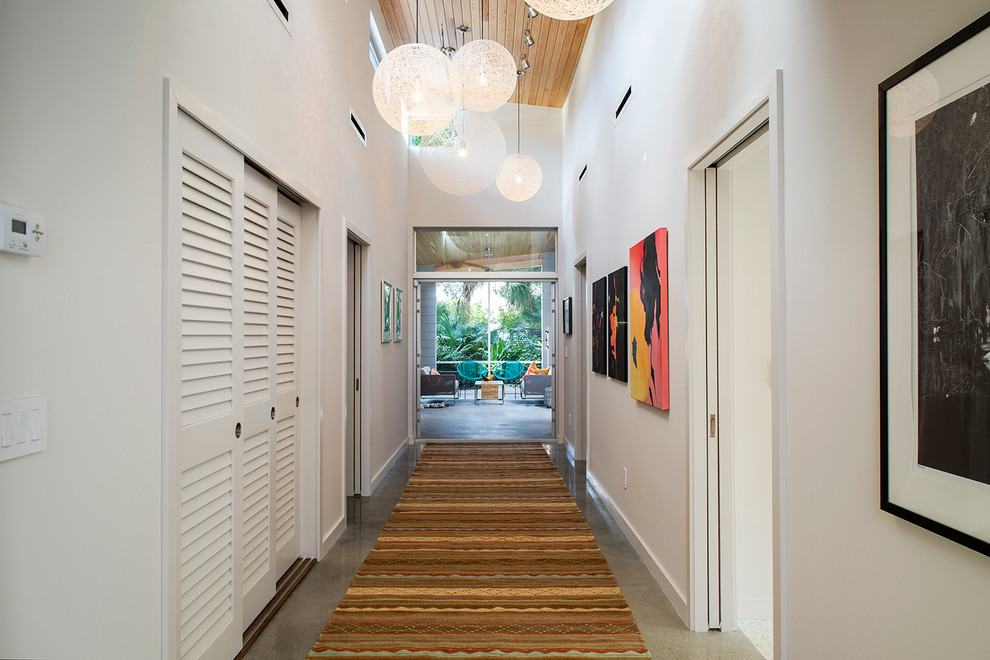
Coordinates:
485 555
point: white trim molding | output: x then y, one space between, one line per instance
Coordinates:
764 104
677 598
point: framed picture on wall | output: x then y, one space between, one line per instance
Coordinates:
599 327
935 290
567 316
397 323
386 312
616 308
649 334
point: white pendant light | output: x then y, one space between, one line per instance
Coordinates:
416 89
487 72
568 10
519 178
464 158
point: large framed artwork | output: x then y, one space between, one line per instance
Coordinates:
386 312
935 290
599 327
648 321
397 319
618 351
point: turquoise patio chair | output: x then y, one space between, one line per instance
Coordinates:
510 371
470 372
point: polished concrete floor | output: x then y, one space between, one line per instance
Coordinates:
466 420
294 630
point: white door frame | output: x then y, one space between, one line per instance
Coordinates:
354 233
582 358
176 98
470 276
765 103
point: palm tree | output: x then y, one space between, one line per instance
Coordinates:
462 292
525 298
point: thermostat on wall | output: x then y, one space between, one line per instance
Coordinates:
23 231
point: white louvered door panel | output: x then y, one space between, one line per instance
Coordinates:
258 286
287 340
205 486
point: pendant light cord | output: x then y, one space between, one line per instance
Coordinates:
518 117
417 21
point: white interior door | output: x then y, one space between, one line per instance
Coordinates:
260 200
234 492
353 365
287 386
714 529
205 492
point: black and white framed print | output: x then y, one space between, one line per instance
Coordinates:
935 290
567 316
397 320
386 312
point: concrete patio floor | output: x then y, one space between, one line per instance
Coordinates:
516 419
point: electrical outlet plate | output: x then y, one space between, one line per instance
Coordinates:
23 427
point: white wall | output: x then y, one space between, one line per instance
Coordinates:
861 583
81 129
542 137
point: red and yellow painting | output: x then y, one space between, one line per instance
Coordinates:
648 321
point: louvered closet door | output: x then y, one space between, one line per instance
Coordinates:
206 486
258 375
287 388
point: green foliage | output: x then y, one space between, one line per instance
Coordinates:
462 327
458 336
524 298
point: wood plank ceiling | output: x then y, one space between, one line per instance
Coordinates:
554 56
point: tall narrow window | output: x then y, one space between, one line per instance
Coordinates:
376 49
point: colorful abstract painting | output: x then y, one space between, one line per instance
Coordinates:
618 352
599 327
648 322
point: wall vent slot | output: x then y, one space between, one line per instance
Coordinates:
281 9
359 129
624 102
583 172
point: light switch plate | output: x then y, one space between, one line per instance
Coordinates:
23 427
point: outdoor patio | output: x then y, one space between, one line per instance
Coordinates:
462 418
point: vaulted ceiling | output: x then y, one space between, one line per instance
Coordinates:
554 56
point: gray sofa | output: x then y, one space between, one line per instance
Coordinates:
534 385
443 384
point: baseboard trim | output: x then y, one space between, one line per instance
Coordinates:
389 464
659 573
332 537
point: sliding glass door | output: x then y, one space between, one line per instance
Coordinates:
486 325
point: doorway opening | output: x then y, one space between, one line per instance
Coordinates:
352 444
486 360
740 390
578 424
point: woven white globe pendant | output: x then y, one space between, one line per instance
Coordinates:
416 89
464 158
568 10
487 72
519 178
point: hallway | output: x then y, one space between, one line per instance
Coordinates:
296 627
